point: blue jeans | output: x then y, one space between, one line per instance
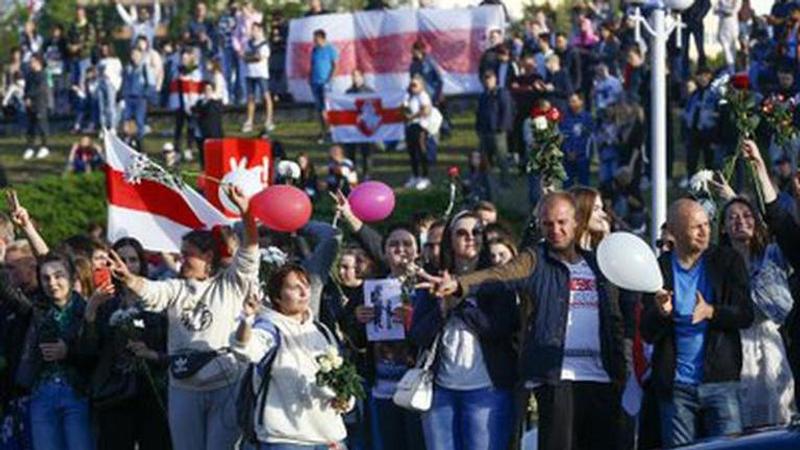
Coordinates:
318 91
718 403
107 105
136 109
479 419
394 428
233 69
608 168
60 418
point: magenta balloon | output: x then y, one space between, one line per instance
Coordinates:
372 201
282 208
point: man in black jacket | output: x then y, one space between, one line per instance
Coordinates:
493 121
572 354
36 104
693 324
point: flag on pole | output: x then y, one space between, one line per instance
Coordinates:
149 204
366 117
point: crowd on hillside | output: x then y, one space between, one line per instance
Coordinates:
106 345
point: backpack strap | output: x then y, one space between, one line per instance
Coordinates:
329 336
264 367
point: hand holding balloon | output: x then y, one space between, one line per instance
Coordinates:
628 262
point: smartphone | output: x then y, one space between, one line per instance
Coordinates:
101 277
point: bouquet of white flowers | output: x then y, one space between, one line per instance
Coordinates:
340 377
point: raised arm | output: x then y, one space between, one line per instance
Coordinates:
128 17
156 15
22 220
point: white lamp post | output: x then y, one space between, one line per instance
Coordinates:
659 30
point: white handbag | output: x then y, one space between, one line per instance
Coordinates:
415 390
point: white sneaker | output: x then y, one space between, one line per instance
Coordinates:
412 182
29 152
247 127
43 153
269 127
147 130
423 184
188 155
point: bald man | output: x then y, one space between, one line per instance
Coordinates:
572 356
693 324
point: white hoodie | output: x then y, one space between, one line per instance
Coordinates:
202 315
297 411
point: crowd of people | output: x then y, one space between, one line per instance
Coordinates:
107 345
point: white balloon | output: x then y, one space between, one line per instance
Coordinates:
628 262
249 181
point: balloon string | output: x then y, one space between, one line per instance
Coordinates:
193 173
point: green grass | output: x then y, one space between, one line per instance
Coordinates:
64 205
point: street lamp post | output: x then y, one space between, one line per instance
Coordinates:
659 30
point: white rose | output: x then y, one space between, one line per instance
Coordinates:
540 123
337 362
325 366
332 352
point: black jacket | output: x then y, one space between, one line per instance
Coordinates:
37 91
495 112
542 281
494 318
733 311
209 119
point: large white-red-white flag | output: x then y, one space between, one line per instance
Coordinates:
366 117
144 204
379 44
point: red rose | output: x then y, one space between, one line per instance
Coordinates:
553 114
453 172
741 81
538 112
767 107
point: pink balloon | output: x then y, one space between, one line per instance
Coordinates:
372 201
282 208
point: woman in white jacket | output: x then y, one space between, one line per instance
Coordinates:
202 307
297 414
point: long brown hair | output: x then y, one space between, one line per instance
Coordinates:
585 198
761 236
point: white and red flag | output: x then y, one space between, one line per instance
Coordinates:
147 203
379 44
357 118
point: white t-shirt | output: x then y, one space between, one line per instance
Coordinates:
260 68
582 360
414 103
461 363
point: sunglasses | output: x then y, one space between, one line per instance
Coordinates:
463 232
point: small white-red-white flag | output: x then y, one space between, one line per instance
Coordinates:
357 118
144 203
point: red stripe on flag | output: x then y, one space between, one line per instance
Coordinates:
456 51
341 117
151 197
186 87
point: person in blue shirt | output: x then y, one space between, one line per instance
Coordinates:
576 127
324 58
693 324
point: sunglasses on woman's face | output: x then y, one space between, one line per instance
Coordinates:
463 232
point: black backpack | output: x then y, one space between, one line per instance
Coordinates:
250 403
248 399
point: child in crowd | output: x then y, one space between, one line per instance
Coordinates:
84 156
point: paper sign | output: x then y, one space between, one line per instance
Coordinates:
384 296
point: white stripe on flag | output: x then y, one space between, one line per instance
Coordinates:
156 233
